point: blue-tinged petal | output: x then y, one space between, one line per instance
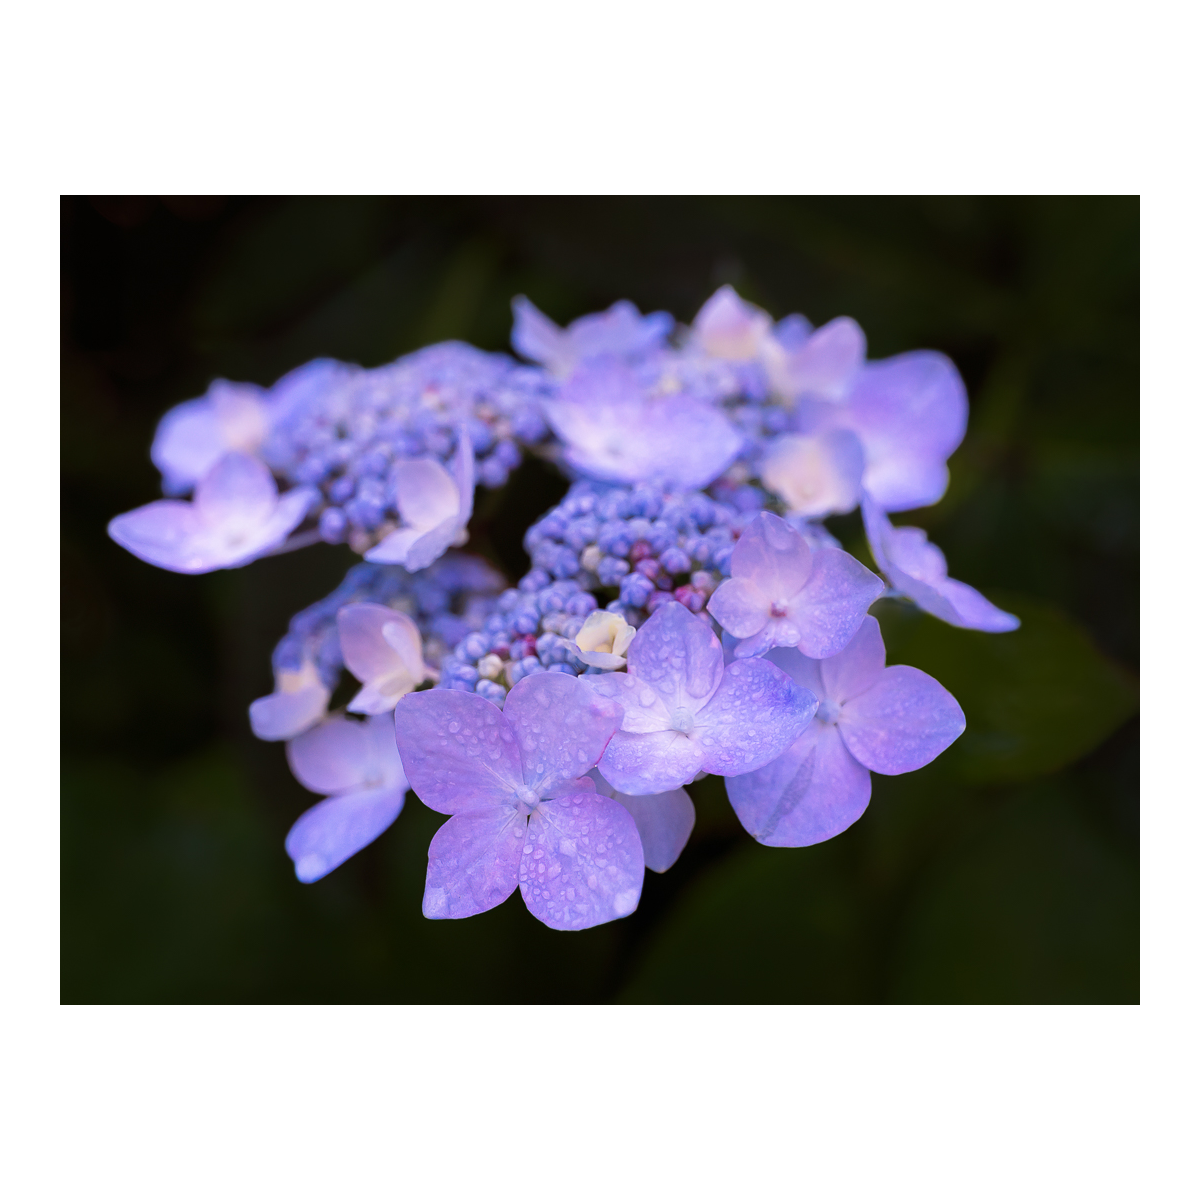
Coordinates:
756 713
664 822
773 556
679 656
826 362
238 492
901 723
803 670
833 603
165 534
857 668
561 726
910 412
810 793
740 607
459 751
916 568
426 493
643 708
186 444
473 862
284 715
330 832
582 863
644 764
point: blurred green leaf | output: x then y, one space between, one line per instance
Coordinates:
1035 907
1035 699
762 925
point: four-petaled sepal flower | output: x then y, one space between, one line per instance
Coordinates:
686 712
871 718
236 516
785 594
523 812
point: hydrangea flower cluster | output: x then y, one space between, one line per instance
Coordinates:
686 613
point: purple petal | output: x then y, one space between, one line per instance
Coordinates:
826 362
833 603
773 556
429 547
332 757
395 547
613 430
163 533
974 611
426 493
916 568
620 331
815 475
473 861
330 832
187 443
727 327
910 413
464 475
857 668
905 721
562 728
644 764
238 491
382 648
804 671
810 793
285 715
664 822
537 337
678 655
644 710
583 862
739 607
459 751
756 713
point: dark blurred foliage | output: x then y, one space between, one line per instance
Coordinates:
1006 871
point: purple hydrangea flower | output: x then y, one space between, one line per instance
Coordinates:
522 810
871 718
910 413
614 430
382 649
354 764
237 515
783 593
299 701
664 822
686 712
434 505
916 568
192 436
815 475
619 332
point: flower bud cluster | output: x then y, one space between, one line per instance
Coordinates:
447 601
629 550
342 429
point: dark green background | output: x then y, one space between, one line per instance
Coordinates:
1006 871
